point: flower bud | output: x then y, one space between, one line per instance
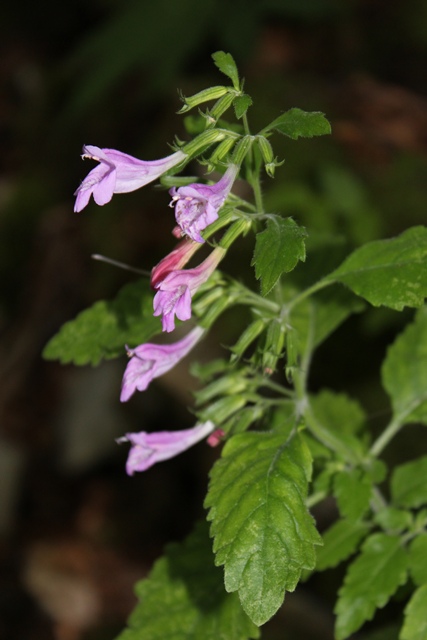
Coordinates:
221 151
292 352
213 93
250 334
243 419
222 409
265 148
206 139
219 108
270 162
274 343
242 149
229 384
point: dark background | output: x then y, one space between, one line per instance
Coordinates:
75 531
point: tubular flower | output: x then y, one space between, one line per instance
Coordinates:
173 297
176 259
149 361
149 448
118 172
197 205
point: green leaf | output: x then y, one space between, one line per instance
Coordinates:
313 320
338 411
404 372
353 491
392 272
409 484
263 533
415 625
340 541
337 419
370 581
241 105
418 559
296 123
277 250
103 330
184 598
393 520
225 63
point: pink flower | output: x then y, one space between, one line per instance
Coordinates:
149 361
118 172
149 448
176 259
197 205
173 297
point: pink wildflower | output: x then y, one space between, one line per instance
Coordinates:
149 361
149 448
118 172
197 205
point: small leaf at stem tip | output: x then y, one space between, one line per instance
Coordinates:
225 63
241 105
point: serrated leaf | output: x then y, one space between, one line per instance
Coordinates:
409 484
264 535
338 418
352 490
227 66
370 581
241 105
418 559
103 330
277 250
415 625
340 541
404 371
392 272
297 123
184 598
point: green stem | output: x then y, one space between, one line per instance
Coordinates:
277 387
318 286
378 502
246 124
304 408
247 296
256 186
382 441
253 179
315 498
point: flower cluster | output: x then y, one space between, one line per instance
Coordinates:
196 207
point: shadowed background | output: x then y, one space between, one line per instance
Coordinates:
75 531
